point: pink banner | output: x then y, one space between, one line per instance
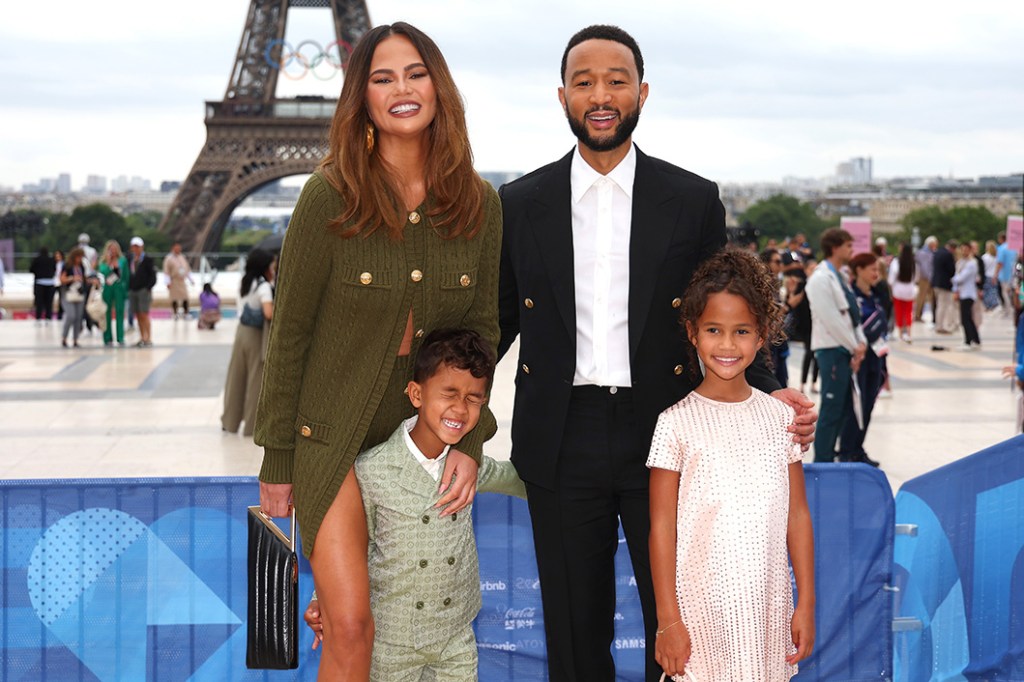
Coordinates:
1015 232
860 228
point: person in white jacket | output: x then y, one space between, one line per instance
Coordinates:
965 286
837 340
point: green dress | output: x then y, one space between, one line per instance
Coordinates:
333 381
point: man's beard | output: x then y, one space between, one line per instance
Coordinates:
619 135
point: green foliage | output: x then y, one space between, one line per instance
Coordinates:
243 240
781 216
962 223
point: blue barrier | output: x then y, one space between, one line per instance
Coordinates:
960 569
132 579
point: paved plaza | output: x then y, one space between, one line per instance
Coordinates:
128 412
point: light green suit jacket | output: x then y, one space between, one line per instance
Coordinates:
424 573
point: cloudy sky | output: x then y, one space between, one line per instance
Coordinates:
741 90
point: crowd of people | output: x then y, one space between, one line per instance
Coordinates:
846 311
89 289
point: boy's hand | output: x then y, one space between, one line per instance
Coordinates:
313 620
803 634
672 649
461 490
802 427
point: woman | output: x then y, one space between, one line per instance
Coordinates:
901 280
965 286
394 236
209 307
43 269
864 275
114 273
245 372
74 281
58 262
992 294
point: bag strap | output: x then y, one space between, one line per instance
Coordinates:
269 523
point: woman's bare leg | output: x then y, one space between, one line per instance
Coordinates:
343 587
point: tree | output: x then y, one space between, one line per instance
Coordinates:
781 216
961 223
99 221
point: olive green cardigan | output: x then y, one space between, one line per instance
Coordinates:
340 312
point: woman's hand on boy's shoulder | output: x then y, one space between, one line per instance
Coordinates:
458 482
802 427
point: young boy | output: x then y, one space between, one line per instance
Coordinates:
424 575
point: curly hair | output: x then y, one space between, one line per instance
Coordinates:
458 348
738 272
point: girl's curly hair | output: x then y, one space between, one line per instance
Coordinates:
741 273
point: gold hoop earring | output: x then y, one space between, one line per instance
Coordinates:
369 138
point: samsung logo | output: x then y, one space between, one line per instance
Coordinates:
630 643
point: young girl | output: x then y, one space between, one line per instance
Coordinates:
727 497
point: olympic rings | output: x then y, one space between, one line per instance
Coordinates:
332 58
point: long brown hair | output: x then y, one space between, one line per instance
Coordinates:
369 188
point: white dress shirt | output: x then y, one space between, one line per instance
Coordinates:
602 216
435 466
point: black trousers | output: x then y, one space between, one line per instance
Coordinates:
967 321
602 480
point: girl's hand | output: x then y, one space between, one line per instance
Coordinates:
461 490
672 649
314 621
276 499
803 634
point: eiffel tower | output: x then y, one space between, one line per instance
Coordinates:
252 138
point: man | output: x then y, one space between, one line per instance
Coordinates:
179 275
1006 262
91 254
141 280
596 253
837 339
923 259
943 269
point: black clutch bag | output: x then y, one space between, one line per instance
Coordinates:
272 640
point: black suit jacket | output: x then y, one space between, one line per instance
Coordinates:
943 268
678 221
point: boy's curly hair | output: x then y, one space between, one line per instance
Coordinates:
741 273
458 348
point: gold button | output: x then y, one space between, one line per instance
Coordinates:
306 431
676 302
465 280
414 218
678 370
423 563
447 601
451 561
528 302
365 278
419 605
526 368
426 519
455 516
419 333
416 275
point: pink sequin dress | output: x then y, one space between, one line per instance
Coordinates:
732 562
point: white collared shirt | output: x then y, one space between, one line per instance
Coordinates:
435 466
602 215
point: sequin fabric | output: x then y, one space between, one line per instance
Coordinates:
732 563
